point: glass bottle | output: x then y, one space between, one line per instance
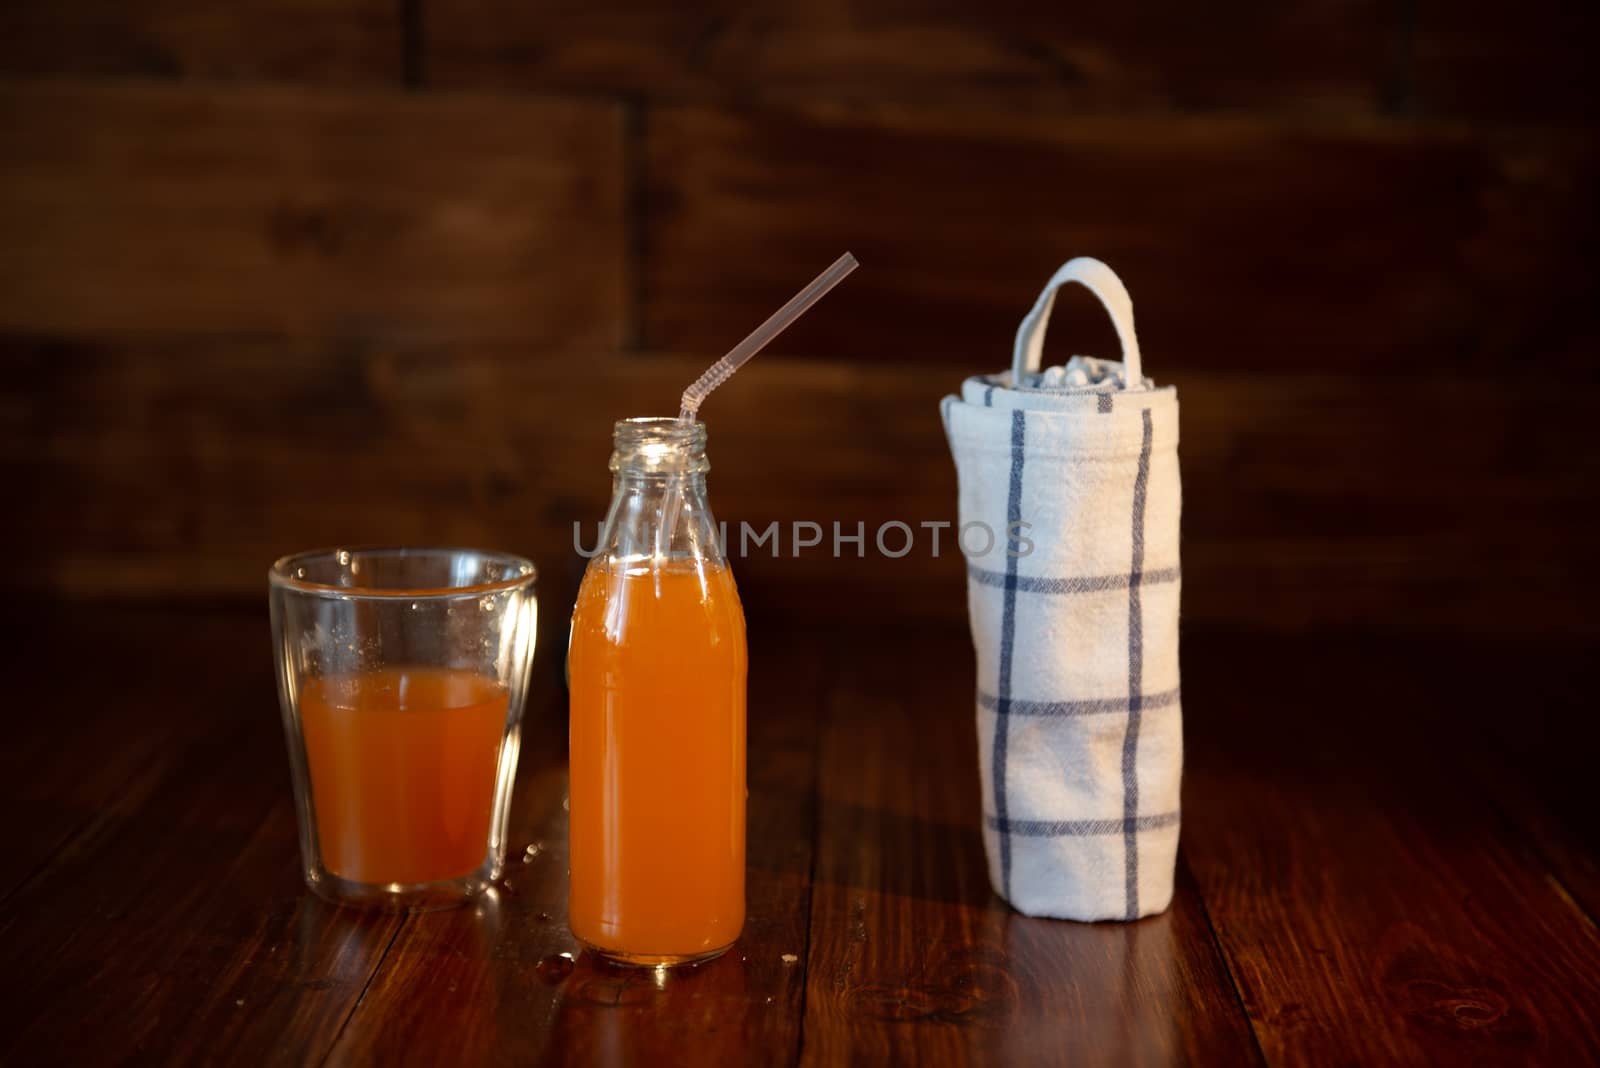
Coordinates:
658 665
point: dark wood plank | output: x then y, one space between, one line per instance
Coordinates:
332 41
1317 501
1542 804
183 466
1372 876
294 212
1246 243
1534 765
1473 61
1372 904
107 738
175 926
1006 56
492 983
914 959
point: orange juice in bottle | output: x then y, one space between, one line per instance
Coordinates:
657 665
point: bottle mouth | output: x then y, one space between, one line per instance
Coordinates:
659 445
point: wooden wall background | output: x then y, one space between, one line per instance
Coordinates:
283 275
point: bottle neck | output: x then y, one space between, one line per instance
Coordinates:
659 446
658 478
656 481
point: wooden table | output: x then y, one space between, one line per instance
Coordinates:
1387 856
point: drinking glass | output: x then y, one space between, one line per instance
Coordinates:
402 675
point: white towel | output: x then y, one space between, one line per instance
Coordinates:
1074 614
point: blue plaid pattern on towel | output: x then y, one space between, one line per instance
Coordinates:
1078 704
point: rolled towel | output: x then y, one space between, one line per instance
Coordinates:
1074 615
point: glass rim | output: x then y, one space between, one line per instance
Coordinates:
279 574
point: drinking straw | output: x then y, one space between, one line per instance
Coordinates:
724 368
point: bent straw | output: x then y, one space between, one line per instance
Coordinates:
776 323
724 368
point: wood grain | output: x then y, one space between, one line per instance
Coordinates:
1373 904
1247 243
914 960
255 298
1005 56
1534 765
492 982
1358 882
200 210
325 41
183 467
1469 61
56 790
173 924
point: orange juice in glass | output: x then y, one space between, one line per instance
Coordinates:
401 675
403 763
657 666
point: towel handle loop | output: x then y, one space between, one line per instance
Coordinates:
1103 282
